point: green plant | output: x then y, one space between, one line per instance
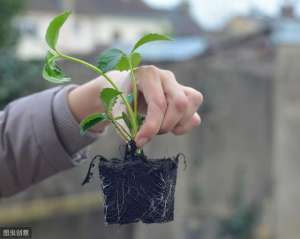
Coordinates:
18 77
8 33
111 59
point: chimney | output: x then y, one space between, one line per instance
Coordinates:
184 7
288 10
68 4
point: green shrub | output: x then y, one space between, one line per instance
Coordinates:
17 78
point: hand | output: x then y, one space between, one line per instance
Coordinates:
169 106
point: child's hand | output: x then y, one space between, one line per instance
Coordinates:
169 106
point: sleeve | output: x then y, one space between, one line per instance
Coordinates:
30 146
68 128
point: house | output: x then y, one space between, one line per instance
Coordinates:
96 23
253 22
286 28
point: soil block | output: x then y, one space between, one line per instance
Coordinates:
136 188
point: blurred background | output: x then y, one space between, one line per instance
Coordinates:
243 174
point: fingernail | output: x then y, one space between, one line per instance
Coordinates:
142 141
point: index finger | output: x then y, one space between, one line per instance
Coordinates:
151 88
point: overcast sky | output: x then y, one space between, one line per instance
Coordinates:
213 13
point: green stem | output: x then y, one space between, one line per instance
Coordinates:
125 131
134 85
90 66
118 118
100 72
135 97
122 134
119 127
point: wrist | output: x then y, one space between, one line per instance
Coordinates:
84 100
67 127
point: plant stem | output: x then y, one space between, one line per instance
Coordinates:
100 72
122 134
119 127
125 131
122 118
91 66
134 85
118 118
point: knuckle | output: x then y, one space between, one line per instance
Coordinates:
151 69
148 69
170 74
181 103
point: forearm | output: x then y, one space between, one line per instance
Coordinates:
67 123
31 146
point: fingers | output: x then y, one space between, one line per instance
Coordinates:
176 100
151 87
171 107
193 122
195 99
183 102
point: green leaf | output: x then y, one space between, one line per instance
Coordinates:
51 71
91 121
136 59
109 59
124 65
54 28
108 97
126 120
150 38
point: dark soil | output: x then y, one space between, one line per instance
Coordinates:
137 188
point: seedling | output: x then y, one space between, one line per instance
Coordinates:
136 188
111 59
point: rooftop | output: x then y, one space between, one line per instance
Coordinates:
95 7
180 49
180 18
